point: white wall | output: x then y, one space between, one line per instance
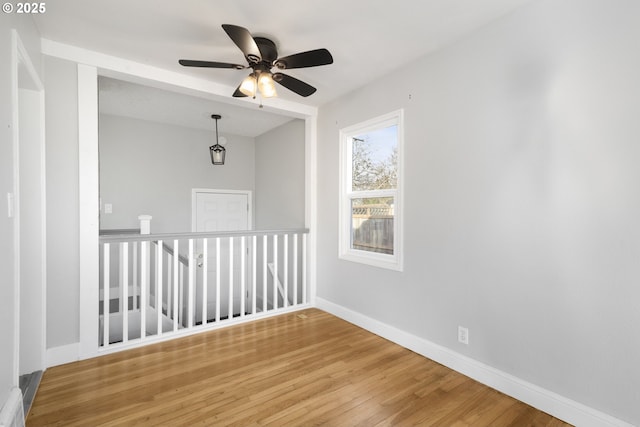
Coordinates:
63 282
31 39
522 200
150 168
280 161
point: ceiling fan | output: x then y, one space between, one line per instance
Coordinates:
261 55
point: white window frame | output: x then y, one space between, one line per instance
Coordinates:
345 251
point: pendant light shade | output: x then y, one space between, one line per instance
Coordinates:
217 151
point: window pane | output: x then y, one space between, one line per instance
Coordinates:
372 224
375 159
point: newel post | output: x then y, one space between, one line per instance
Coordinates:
145 224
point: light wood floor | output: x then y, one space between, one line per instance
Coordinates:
302 369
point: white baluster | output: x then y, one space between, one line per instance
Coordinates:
304 268
124 283
135 275
230 306
105 294
159 251
176 286
205 257
169 286
144 277
120 297
243 250
253 272
217 279
295 269
264 273
181 296
190 296
285 267
275 272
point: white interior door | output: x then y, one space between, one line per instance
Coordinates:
216 210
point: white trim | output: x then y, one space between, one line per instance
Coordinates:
20 56
545 400
43 224
194 209
310 200
15 43
137 72
345 252
88 190
63 354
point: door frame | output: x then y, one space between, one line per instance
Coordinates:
194 208
20 60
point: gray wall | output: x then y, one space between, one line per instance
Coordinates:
135 139
63 281
150 168
31 39
521 200
280 159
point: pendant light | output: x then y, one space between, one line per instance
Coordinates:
217 151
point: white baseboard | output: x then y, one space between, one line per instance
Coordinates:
547 401
63 354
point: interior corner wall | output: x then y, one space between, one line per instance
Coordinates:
63 280
280 177
521 200
150 168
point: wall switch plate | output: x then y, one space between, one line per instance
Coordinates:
108 208
463 335
10 205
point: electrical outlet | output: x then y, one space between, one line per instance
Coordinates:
463 335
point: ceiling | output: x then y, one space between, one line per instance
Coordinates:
367 38
125 99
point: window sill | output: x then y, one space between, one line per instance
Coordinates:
376 260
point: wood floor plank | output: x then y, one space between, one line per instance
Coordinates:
300 369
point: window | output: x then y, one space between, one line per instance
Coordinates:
370 192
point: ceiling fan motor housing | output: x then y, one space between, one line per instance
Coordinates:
267 49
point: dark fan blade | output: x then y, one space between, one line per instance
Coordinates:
293 84
238 94
311 58
209 64
243 39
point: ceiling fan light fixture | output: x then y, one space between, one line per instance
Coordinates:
249 85
262 56
266 85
